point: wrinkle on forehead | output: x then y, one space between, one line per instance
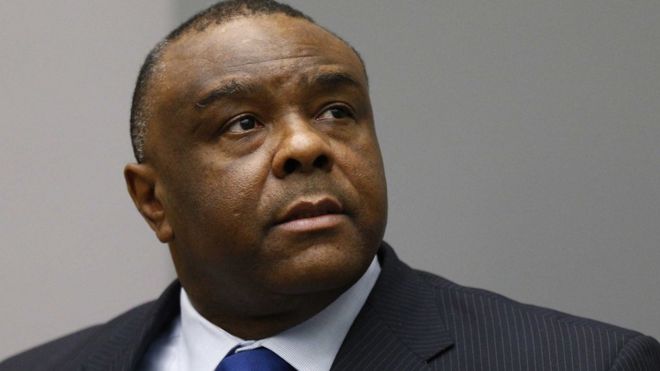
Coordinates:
231 57
271 60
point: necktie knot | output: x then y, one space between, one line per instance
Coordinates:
258 359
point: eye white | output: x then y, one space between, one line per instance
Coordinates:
246 123
334 113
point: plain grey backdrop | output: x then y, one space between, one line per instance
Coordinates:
521 141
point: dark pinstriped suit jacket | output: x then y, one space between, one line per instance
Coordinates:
412 321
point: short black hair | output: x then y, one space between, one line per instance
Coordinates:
217 14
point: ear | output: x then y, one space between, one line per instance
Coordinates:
146 191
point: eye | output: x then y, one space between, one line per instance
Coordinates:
243 124
335 113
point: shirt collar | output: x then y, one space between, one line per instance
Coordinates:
311 345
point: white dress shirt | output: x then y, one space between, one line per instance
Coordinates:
195 344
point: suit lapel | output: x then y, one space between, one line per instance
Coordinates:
400 326
125 346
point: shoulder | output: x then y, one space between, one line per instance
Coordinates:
418 320
69 351
116 344
534 337
468 303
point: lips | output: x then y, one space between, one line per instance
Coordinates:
311 214
310 209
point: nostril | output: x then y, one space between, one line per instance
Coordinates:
321 162
291 165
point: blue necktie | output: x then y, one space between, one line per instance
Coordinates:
258 359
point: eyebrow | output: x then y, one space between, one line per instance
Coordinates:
334 80
230 89
235 88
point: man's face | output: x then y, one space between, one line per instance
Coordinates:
269 171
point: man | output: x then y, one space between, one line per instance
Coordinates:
258 164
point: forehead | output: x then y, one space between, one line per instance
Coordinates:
265 45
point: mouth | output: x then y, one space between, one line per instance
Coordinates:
310 215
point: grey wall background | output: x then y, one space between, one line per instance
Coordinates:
520 139
74 251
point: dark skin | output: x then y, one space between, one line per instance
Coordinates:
262 171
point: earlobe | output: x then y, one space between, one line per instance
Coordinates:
143 185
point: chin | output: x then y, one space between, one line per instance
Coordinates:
321 267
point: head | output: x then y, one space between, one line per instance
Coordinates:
257 158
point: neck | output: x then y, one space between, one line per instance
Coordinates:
255 322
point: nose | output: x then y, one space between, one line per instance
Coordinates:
302 149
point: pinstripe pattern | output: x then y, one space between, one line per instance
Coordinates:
412 321
418 321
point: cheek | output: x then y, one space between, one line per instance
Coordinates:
363 165
218 200
366 162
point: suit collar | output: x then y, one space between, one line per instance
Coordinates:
410 306
401 321
161 314
124 347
